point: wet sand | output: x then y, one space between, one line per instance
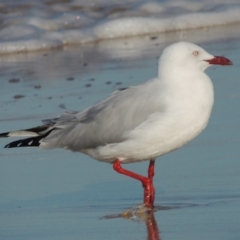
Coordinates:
58 194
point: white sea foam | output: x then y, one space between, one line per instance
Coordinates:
38 25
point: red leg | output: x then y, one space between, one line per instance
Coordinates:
150 176
147 182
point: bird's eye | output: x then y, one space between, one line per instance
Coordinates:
195 53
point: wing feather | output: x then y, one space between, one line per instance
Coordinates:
107 121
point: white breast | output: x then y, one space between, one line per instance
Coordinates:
187 112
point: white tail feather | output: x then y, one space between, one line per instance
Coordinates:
22 133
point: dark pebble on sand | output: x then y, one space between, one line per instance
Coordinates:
37 86
62 106
14 80
108 82
88 85
85 64
118 83
70 79
153 37
18 96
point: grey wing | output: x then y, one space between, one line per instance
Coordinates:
106 122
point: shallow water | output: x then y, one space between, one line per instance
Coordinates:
58 194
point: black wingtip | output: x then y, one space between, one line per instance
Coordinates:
27 142
4 135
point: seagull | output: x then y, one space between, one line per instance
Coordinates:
137 123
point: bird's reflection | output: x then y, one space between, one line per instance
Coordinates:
152 228
142 214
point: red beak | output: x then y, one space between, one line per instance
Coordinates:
219 60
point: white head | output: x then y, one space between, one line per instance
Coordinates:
186 55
